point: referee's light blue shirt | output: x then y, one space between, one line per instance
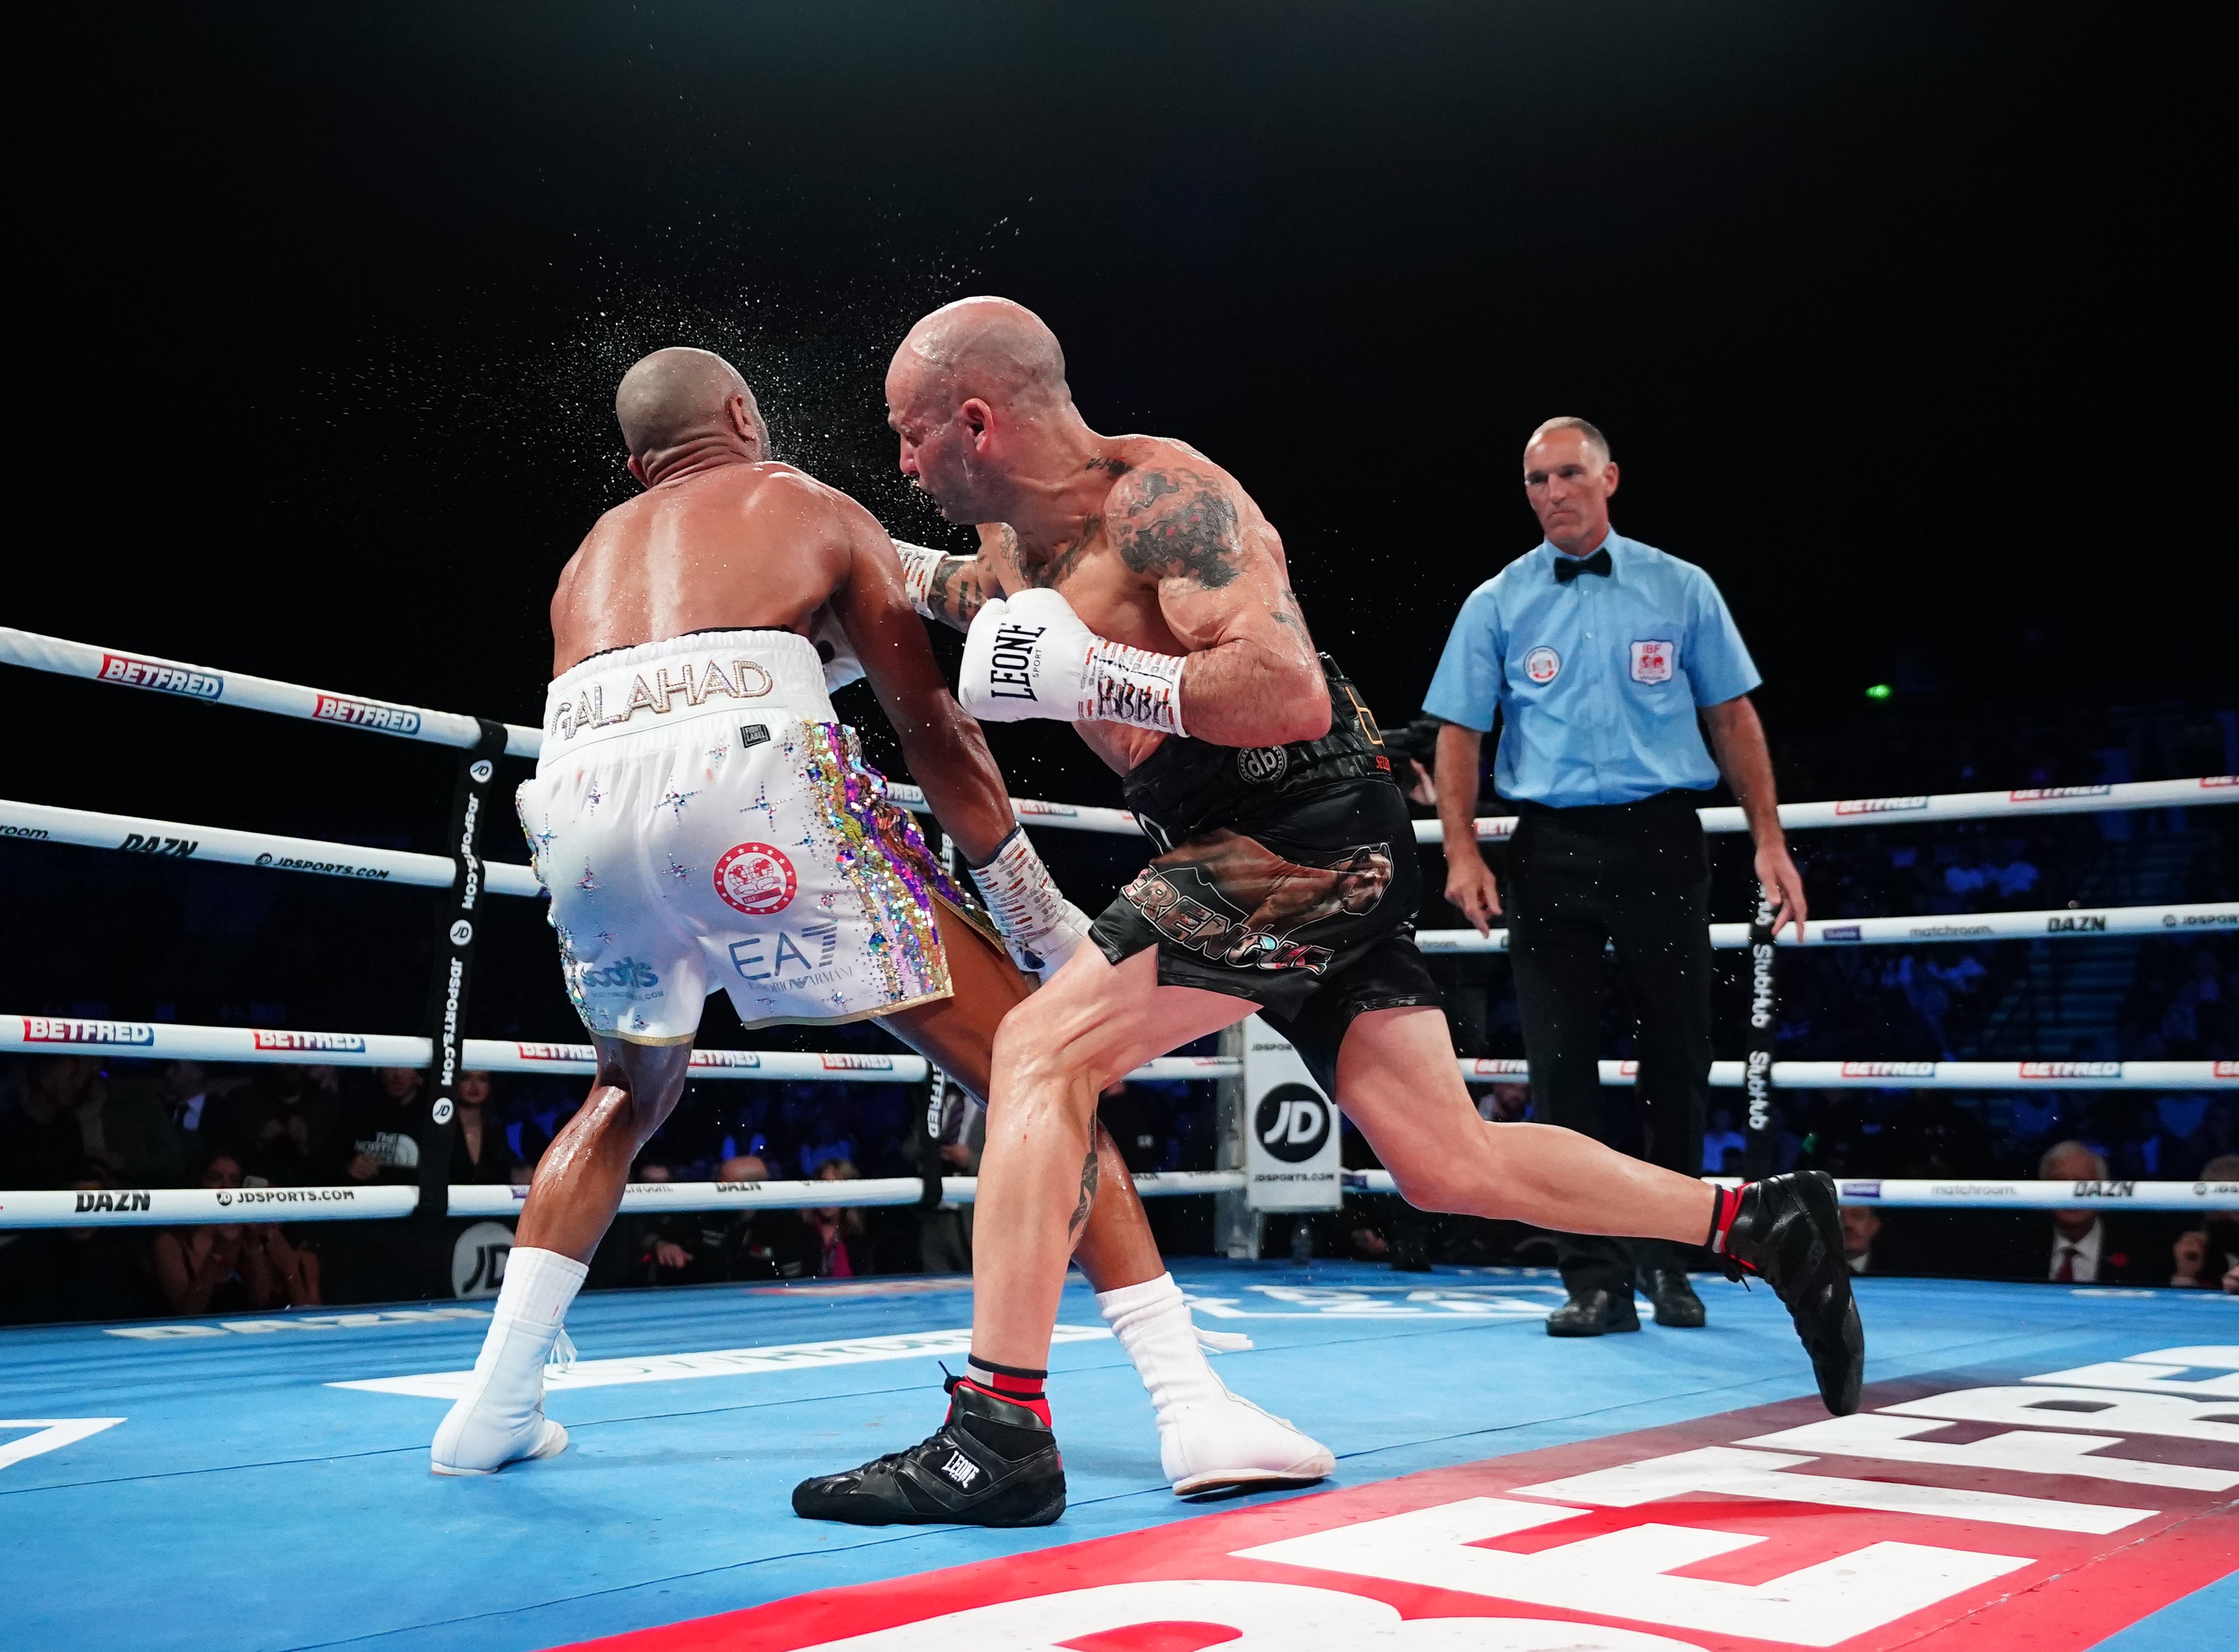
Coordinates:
1596 682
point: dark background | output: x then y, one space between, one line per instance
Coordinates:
1901 320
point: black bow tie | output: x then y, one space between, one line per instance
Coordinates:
1568 568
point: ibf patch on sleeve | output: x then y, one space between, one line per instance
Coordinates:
1652 661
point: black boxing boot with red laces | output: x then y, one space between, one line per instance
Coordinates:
1786 1231
992 1464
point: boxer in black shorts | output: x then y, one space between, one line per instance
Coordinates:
1129 586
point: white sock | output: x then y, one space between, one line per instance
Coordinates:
495 1420
1153 1324
538 1286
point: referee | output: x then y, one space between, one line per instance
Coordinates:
1598 652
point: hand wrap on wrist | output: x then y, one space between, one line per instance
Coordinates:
918 566
1039 924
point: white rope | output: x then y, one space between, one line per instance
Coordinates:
172 1041
217 687
1986 1195
175 840
2200 792
2072 923
190 1206
643 1198
1920 1075
1033 811
185 1206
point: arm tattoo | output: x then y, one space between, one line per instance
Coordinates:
957 593
1290 613
1087 1194
1177 524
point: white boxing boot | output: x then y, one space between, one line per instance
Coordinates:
500 1419
1209 1439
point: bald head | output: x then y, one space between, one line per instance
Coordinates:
681 395
990 348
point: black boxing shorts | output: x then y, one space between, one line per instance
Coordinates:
1304 906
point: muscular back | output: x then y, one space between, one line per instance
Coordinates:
1175 558
741 547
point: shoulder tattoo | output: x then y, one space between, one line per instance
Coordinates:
1176 523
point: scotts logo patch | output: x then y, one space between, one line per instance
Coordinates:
757 879
1262 765
1541 665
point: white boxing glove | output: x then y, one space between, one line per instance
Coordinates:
1030 655
918 566
1039 924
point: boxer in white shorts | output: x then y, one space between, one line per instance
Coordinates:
702 820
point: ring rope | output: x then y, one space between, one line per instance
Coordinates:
2058 922
216 687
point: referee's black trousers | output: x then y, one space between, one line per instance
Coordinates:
1636 875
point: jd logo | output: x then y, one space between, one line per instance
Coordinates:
1293 1122
478 1259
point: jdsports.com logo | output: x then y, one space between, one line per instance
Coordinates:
1292 1122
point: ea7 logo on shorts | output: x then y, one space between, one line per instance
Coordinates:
1542 665
757 879
756 960
1652 661
961 1468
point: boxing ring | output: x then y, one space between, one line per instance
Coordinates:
2044 1465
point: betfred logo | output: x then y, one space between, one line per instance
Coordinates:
161 678
2225 1070
840 1062
2207 780
554 1051
1948 1515
332 1043
56 1029
1053 811
2071 1069
366 713
725 1058
2049 793
1880 805
1889 1070
1498 1067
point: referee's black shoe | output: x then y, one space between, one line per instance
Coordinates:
1788 1230
1595 1313
992 1464
1676 1304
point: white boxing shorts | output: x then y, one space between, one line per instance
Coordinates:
702 820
